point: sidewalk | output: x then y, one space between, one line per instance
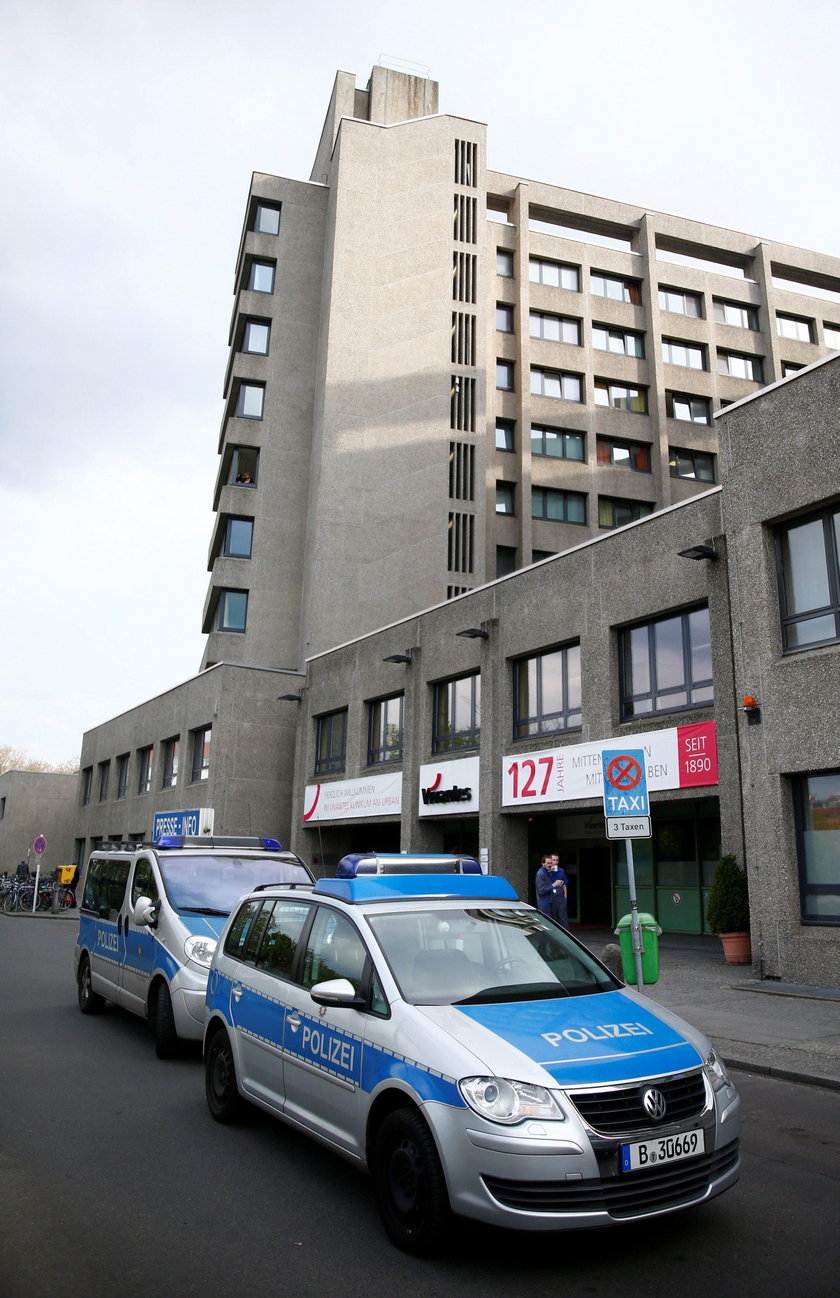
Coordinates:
762 1027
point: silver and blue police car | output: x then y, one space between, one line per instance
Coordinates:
468 1052
150 917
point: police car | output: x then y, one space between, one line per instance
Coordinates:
468 1052
150 916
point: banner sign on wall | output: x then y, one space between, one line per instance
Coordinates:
678 758
449 787
372 795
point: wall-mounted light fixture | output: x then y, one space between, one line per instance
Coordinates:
750 706
698 552
397 658
292 698
474 633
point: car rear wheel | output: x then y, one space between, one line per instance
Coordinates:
90 1002
167 1045
408 1183
223 1098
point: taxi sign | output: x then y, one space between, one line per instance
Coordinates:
626 807
625 783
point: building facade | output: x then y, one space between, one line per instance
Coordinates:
37 804
440 373
439 376
214 754
706 635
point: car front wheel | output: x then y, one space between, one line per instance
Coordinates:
409 1184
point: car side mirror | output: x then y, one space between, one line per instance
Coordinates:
337 992
145 912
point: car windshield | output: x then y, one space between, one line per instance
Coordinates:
473 956
213 884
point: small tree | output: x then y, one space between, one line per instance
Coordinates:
17 759
728 910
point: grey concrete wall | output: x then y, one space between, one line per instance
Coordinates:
279 502
377 540
781 455
586 594
37 802
251 762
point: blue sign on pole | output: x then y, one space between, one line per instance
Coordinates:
625 782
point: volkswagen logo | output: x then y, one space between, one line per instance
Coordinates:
654 1103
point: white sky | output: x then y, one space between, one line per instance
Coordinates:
128 133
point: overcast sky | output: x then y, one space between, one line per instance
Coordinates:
128 133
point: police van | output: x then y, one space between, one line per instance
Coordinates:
150 917
467 1052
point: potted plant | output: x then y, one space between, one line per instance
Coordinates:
728 910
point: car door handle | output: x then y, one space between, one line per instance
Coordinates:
293 1021
236 992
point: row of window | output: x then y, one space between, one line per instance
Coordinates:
565 444
565 385
557 506
664 666
630 342
618 288
144 766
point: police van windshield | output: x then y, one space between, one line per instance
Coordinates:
474 956
212 885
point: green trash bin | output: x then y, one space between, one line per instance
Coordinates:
650 931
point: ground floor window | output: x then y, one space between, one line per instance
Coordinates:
818 826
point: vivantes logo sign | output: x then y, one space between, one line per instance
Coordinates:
455 794
449 787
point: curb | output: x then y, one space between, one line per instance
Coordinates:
783 1074
70 913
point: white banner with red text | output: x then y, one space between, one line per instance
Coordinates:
678 758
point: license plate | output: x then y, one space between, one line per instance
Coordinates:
664 1149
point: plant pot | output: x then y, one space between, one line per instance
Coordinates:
736 948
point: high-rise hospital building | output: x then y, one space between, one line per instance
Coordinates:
440 373
510 475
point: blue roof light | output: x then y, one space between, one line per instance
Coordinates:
272 845
356 864
392 887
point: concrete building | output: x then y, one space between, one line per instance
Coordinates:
439 372
479 724
215 753
34 803
439 375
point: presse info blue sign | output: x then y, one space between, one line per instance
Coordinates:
176 822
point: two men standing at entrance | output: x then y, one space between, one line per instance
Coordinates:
552 889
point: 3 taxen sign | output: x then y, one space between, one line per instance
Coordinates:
626 806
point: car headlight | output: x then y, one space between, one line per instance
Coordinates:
716 1071
503 1100
200 950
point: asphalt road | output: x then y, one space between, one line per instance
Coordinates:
116 1183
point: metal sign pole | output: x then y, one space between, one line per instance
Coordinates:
635 927
37 882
